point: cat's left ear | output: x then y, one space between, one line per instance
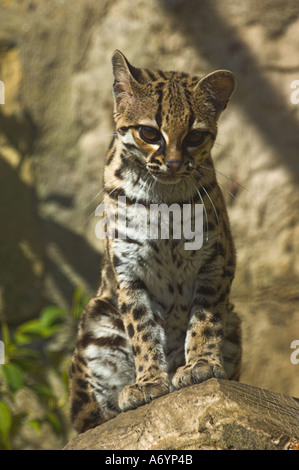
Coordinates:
124 78
218 87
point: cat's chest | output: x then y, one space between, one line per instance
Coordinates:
164 265
161 244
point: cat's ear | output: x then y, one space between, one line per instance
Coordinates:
125 78
218 87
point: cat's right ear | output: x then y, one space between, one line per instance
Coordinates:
124 79
218 87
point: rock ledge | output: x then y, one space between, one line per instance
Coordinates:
216 414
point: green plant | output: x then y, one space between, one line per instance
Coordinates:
35 360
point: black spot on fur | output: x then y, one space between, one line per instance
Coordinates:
137 284
138 312
131 331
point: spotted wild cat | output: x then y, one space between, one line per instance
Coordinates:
161 319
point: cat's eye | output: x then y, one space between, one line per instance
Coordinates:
150 134
195 138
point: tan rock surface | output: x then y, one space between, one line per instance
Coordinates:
216 414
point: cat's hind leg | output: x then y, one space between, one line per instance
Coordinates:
102 364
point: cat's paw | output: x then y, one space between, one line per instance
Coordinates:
138 394
191 374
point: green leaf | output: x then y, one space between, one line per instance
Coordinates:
5 420
78 303
65 378
43 391
13 375
24 354
43 327
29 361
35 424
27 332
5 335
51 315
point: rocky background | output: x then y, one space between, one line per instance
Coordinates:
56 124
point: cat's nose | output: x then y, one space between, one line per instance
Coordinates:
173 165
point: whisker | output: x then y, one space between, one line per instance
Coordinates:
223 187
226 176
218 144
93 199
141 188
130 155
107 195
154 183
231 194
205 211
214 208
97 195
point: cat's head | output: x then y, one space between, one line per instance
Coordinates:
168 119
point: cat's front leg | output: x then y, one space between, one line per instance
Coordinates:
145 330
203 347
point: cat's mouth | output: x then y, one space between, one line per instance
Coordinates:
167 177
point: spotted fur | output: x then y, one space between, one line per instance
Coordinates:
162 318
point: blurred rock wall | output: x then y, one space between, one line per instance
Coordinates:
56 124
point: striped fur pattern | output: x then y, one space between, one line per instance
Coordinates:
162 318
